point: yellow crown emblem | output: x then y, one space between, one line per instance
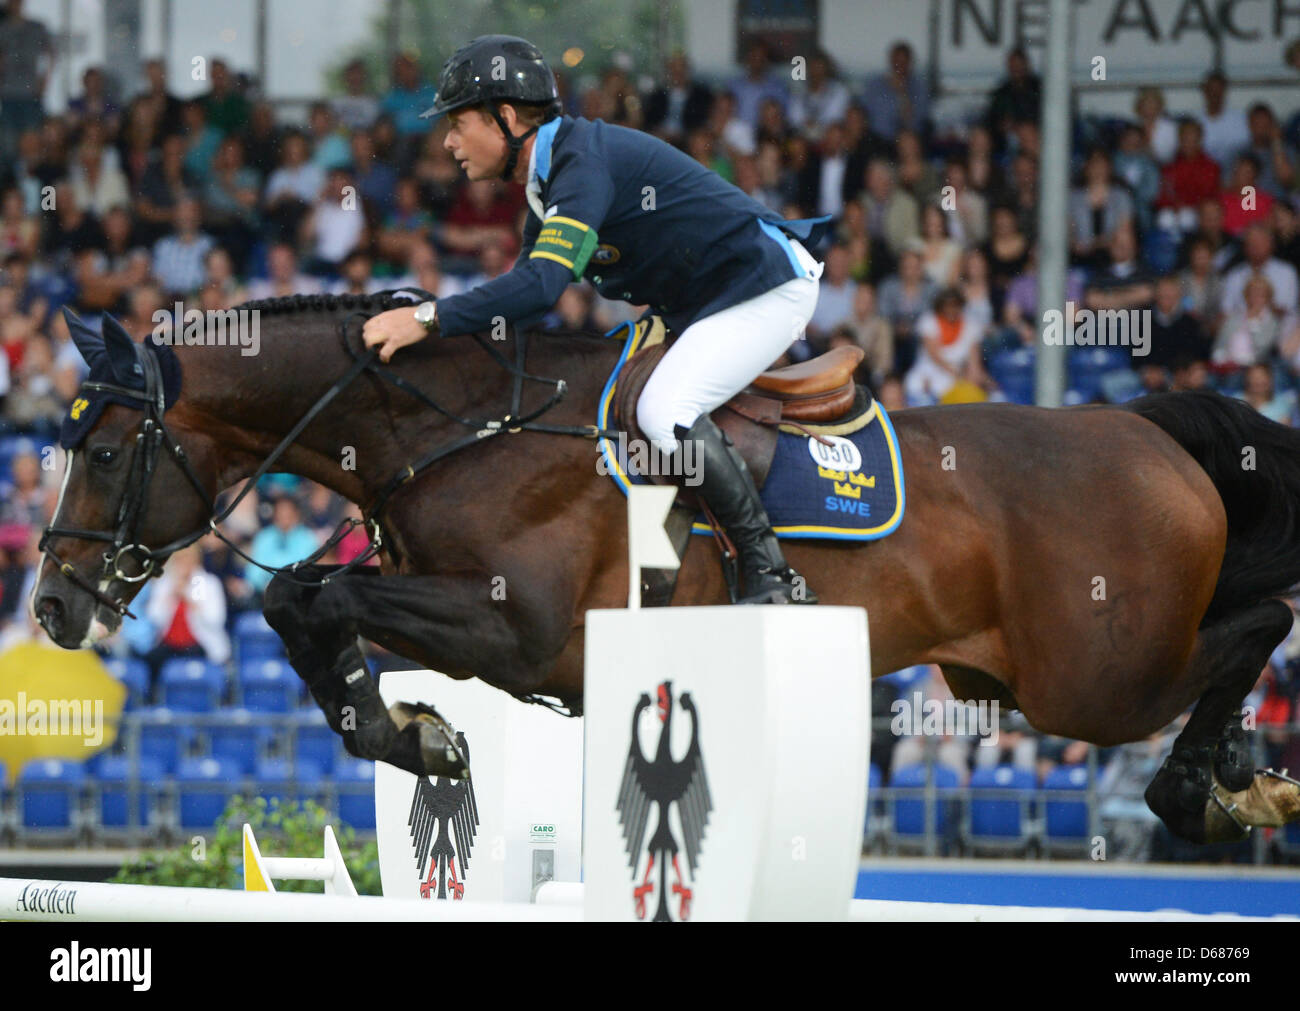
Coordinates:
849 490
78 405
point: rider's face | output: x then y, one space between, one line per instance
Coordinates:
476 143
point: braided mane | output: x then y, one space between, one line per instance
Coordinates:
377 302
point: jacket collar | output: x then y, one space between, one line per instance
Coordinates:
539 162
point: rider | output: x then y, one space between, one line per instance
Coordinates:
647 224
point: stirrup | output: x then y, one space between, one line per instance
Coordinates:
778 587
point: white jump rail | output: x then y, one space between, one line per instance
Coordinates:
76 901
35 899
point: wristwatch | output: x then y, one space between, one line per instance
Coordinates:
426 314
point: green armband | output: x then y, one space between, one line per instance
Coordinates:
565 241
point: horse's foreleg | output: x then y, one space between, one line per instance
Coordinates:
328 658
442 621
1207 790
287 609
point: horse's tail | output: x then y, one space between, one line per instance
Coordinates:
1255 466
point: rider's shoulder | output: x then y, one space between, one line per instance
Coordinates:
584 139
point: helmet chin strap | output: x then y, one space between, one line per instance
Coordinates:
515 143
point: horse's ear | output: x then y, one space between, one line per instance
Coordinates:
122 361
89 343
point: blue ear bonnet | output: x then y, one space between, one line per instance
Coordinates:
114 359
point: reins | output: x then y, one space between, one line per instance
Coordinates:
154 436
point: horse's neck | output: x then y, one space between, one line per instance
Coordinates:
246 405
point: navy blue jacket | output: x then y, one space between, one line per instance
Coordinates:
644 222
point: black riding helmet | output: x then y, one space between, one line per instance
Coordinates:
492 69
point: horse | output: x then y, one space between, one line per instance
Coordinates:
1098 568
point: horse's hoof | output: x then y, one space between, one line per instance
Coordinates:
439 753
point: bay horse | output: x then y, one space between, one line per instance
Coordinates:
1099 568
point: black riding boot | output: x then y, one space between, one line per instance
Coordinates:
728 488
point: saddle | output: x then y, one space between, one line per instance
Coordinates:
816 391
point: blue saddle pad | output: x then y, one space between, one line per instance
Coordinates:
851 489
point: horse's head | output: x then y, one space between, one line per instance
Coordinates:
128 493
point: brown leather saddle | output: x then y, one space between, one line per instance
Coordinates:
816 391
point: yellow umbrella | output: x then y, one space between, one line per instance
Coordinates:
55 703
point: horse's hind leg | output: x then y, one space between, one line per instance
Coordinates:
1210 772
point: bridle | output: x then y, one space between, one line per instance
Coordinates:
123 543
153 438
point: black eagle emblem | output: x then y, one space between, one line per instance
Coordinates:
443 821
664 782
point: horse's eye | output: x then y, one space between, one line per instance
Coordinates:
103 457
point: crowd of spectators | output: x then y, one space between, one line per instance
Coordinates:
125 202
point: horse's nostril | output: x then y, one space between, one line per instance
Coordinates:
49 608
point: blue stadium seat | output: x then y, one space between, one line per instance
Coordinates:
1013 371
1121 386
235 736
315 741
275 777
354 778
113 774
1067 821
48 790
1001 818
135 675
1087 366
909 814
875 779
255 639
163 738
905 678
203 786
192 686
268 685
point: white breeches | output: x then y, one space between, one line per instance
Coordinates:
718 356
